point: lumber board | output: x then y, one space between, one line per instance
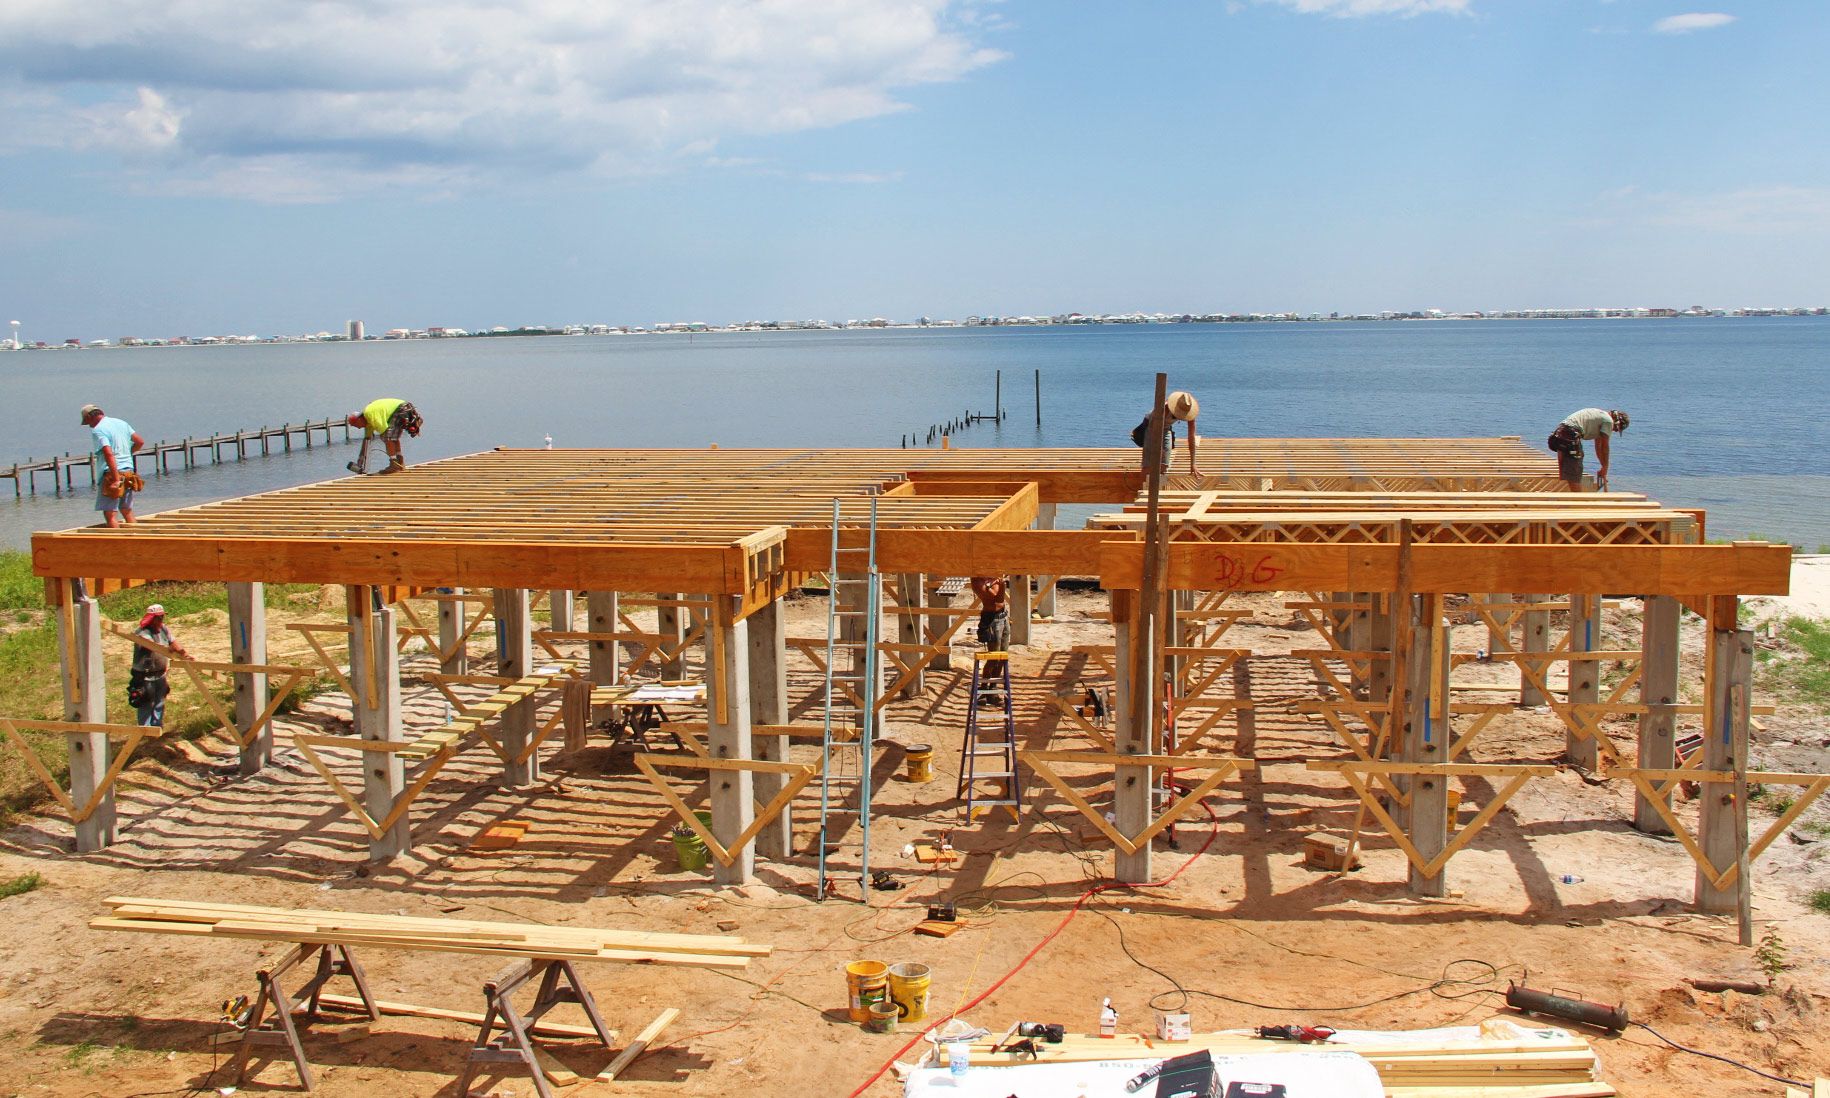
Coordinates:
636 1047
541 1028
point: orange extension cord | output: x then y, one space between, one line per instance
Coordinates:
1212 833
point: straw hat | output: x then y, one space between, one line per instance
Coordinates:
1182 406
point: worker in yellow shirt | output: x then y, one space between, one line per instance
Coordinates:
385 419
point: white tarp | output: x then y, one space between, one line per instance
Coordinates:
1315 1074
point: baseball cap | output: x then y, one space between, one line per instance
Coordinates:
155 610
89 410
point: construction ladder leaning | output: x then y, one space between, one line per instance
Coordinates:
990 688
851 694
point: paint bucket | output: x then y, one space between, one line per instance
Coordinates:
689 849
919 763
882 1019
866 984
909 990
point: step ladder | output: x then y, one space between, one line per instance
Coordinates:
849 723
988 756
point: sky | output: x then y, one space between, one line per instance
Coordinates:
189 167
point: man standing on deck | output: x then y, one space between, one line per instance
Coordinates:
1589 424
385 418
1178 407
114 441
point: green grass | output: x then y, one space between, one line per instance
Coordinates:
1820 900
81 1051
20 885
19 588
1808 674
1777 803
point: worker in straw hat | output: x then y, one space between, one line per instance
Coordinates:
146 685
1179 407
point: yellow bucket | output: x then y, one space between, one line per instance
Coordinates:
866 983
909 990
919 763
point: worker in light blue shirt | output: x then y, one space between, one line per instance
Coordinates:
113 442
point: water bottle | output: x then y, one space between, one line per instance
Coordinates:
959 1057
1570 879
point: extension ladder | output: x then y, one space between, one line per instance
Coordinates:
990 745
849 726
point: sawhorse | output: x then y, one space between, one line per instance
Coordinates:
333 960
559 983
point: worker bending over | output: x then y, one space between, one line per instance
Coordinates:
385 419
1595 425
1178 407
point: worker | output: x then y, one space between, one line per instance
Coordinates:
1179 407
114 441
1589 424
385 419
147 688
993 593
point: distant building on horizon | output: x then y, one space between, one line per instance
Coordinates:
355 330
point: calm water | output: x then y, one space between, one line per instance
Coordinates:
1727 414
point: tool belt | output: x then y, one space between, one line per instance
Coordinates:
115 485
1564 440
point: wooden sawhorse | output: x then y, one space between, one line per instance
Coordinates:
559 983
281 1029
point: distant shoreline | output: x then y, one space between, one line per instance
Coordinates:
1071 320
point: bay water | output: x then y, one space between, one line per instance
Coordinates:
1728 413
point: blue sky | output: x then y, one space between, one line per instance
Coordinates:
267 166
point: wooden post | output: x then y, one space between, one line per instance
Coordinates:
515 659
248 644
1359 639
1658 690
1379 639
912 594
934 626
727 704
1022 599
1425 739
561 606
374 674
604 666
1535 638
768 643
79 641
1725 737
1131 800
1498 635
671 623
1045 520
452 617
1584 675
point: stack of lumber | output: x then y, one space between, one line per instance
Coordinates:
350 928
1555 1065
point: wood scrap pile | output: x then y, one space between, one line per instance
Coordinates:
572 943
1529 1063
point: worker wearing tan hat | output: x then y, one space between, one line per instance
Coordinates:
146 685
1178 407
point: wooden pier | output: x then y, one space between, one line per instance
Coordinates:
188 451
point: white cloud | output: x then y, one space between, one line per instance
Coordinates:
301 102
1780 209
1692 21
1354 9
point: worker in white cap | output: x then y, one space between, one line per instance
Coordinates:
146 684
1179 407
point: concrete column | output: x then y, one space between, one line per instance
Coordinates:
1131 800
452 617
727 703
604 657
1725 741
374 674
515 659
1535 637
1045 520
79 641
1658 689
1584 675
1359 632
913 596
1499 638
1379 639
671 622
248 644
1022 600
767 630
1424 738
561 606
935 625
852 590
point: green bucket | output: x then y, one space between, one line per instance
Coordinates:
689 849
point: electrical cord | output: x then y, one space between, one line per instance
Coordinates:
1723 1059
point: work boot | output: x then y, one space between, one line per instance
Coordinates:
394 467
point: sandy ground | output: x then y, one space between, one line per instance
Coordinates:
1252 935
1810 594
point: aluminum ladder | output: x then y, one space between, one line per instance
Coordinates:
990 690
849 723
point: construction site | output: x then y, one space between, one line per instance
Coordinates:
1451 781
